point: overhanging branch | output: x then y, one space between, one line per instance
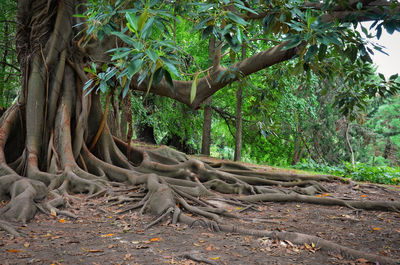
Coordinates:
210 84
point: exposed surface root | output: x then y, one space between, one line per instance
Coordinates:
168 185
197 257
9 228
293 237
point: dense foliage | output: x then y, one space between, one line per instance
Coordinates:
9 70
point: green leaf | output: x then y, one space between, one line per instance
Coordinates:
170 66
123 37
79 15
310 18
88 84
110 73
379 31
204 7
322 51
118 54
132 20
233 43
142 20
158 75
292 43
236 18
126 88
134 67
206 32
146 31
103 86
168 78
393 77
152 55
100 35
241 6
311 52
149 84
88 70
193 90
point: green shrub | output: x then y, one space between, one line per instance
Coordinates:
360 171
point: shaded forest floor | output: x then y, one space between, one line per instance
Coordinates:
99 236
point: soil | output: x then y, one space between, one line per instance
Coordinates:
101 236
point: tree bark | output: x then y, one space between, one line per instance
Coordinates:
349 144
113 119
124 117
239 117
206 140
214 55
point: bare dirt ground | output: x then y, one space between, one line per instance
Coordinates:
100 236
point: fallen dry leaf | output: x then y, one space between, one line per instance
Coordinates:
107 235
376 228
155 239
215 258
26 244
14 250
128 256
312 248
92 250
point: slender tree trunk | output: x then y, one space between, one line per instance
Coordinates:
124 117
349 145
206 140
239 117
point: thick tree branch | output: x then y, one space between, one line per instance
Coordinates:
213 82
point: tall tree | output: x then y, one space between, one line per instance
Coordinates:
207 119
239 117
63 144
